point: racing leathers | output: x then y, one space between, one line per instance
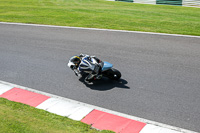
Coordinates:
89 65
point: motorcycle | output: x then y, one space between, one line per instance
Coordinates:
109 71
97 69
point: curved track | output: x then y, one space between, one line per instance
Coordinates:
160 73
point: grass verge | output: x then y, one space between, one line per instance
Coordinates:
21 118
103 14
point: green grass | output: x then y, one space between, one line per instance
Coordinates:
21 118
103 14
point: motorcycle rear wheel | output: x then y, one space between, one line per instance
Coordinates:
113 74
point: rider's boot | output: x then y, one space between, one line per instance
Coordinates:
99 76
89 78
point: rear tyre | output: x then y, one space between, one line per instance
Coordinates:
113 74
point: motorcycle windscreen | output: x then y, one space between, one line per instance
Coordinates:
106 66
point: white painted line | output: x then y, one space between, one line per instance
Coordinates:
150 129
59 107
149 122
80 113
156 129
165 130
64 108
48 103
4 88
96 29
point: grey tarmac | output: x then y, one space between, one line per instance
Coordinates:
160 73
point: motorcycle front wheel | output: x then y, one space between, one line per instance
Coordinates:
113 74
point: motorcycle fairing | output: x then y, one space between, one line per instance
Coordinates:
106 66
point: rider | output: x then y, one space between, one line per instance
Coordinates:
85 63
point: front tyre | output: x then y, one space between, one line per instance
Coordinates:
113 74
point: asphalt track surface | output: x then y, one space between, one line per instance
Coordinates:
160 73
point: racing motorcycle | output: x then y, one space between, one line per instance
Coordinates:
97 69
107 70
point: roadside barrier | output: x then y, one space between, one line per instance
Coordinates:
189 3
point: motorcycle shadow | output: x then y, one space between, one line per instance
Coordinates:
106 84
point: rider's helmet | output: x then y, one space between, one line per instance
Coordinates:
76 60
